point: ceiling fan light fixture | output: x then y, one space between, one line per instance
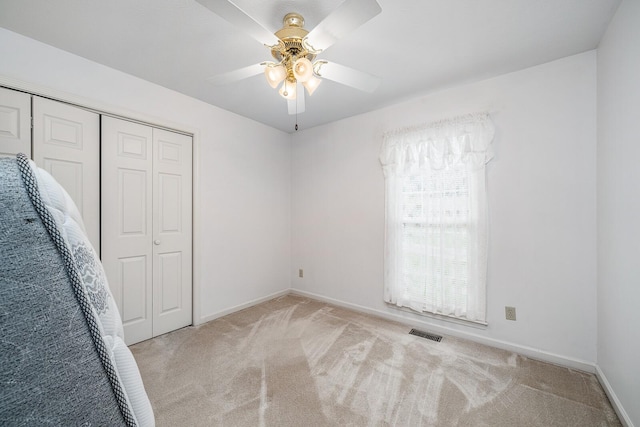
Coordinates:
312 84
288 90
275 74
302 69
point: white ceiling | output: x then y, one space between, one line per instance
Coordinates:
415 46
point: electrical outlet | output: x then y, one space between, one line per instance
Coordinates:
300 273
510 313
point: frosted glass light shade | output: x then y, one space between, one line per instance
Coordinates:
288 90
275 75
303 70
312 84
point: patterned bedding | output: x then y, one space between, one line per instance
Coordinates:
86 347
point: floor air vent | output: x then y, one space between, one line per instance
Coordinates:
427 335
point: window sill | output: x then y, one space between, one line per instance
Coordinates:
450 319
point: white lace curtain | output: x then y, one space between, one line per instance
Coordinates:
436 216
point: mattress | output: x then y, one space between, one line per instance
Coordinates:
88 283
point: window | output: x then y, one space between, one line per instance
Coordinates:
435 240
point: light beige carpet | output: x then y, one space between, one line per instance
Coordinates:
294 361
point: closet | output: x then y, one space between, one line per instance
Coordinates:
146 221
132 184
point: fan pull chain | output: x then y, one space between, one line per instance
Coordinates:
296 128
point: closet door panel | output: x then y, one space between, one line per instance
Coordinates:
133 198
132 273
169 265
66 143
15 123
172 213
127 223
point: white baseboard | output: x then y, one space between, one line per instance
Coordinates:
530 352
622 414
213 316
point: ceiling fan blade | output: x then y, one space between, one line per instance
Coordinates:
346 18
235 75
348 76
228 11
296 106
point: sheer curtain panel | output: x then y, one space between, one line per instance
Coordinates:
436 216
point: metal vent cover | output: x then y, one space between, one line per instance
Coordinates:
427 335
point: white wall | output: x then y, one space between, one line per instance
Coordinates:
619 207
542 200
243 169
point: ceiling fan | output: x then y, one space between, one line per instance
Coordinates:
295 49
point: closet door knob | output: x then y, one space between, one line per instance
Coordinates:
156 242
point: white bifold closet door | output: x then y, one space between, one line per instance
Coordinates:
66 143
147 226
15 123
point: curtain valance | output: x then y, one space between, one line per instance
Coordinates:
465 139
